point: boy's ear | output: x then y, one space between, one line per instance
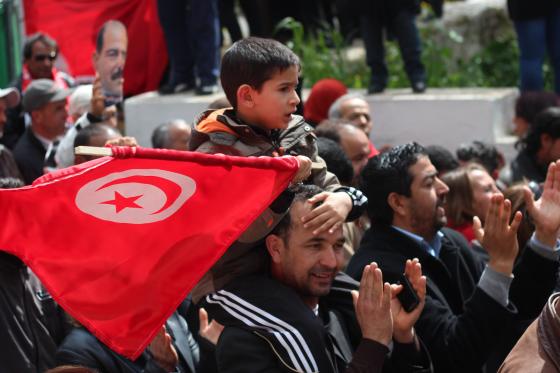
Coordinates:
245 96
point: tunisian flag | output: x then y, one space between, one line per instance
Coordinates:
120 242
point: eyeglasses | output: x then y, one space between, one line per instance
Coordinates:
41 57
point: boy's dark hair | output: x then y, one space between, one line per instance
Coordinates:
529 104
336 160
442 159
302 192
32 39
480 152
386 173
253 61
547 122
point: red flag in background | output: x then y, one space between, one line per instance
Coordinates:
74 25
119 243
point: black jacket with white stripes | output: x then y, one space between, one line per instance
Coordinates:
268 328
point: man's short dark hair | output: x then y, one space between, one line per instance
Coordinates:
302 192
547 122
32 39
386 173
253 61
442 159
482 153
85 135
336 160
101 33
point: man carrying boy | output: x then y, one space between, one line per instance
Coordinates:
259 77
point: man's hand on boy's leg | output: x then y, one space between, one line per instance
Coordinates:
330 214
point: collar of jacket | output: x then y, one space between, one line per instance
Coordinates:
226 120
548 329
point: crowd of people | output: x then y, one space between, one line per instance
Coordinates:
395 258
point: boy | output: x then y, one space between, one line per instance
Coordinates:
259 77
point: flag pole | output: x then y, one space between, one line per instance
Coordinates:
108 152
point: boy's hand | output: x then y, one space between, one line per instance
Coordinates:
373 306
403 322
304 169
498 237
330 214
546 211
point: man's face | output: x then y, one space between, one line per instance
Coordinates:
356 111
3 119
53 118
356 147
277 100
41 62
425 211
308 263
109 62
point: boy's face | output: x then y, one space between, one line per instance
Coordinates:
276 101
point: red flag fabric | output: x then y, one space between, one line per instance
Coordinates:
74 25
119 243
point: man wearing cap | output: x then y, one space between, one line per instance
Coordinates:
45 103
39 55
9 98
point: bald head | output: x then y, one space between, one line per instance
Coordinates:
172 135
354 109
111 26
96 134
355 144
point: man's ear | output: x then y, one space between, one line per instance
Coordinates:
94 58
546 140
274 245
245 96
398 203
36 116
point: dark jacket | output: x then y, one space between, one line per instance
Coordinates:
220 131
30 322
463 326
82 348
29 154
8 166
524 10
268 328
525 166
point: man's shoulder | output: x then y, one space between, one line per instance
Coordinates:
27 145
384 245
242 350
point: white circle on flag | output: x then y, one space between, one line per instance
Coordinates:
136 196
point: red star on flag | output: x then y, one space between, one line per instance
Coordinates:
121 202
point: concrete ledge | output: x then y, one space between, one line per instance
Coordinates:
447 116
